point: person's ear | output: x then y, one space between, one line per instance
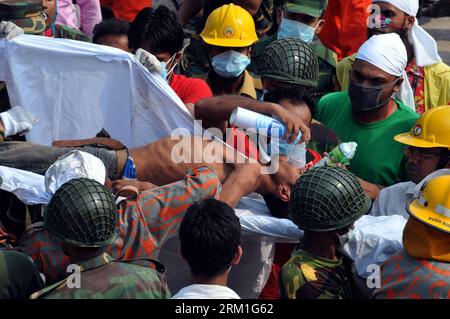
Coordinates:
320 26
398 84
284 193
409 22
237 257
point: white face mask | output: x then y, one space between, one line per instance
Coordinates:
297 30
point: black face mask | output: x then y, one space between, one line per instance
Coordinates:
366 98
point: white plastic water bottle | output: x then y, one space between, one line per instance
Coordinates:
341 154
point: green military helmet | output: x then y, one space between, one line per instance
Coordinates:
314 8
327 199
82 213
27 15
290 61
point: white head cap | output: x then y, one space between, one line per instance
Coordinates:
76 164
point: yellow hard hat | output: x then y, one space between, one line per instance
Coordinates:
229 26
432 207
431 130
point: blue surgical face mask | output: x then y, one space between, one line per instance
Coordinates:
297 30
164 70
230 64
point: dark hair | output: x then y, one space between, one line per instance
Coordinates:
293 93
110 27
210 234
277 207
160 28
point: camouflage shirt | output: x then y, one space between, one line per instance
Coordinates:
145 224
103 278
327 66
306 276
65 32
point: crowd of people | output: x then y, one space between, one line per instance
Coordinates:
376 80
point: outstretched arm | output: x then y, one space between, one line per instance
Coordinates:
216 111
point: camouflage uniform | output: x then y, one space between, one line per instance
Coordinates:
145 224
65 32
327 66
120 280
195 59
306 276
25 14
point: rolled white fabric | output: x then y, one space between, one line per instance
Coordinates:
75 164
425 47
387 52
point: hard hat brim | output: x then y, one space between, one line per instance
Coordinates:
408 139
231 43
427 216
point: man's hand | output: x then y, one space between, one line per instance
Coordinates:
294 124
371 190
17 120
148 60
9 30
141 186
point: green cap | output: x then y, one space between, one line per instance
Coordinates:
313 8
25 14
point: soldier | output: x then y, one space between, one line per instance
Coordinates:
303 20
34 17
82 216
325 204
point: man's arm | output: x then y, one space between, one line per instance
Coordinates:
240 182
216 111
188 10
90 15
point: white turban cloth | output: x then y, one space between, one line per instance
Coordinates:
75 164
387 52
425 47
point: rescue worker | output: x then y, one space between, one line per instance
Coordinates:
428 76
82 215
422 269
427 154
228 37
303 20
326 202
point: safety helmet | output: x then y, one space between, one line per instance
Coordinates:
431 130
327 199
229 26
82 213
432 206
25 14
290 61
